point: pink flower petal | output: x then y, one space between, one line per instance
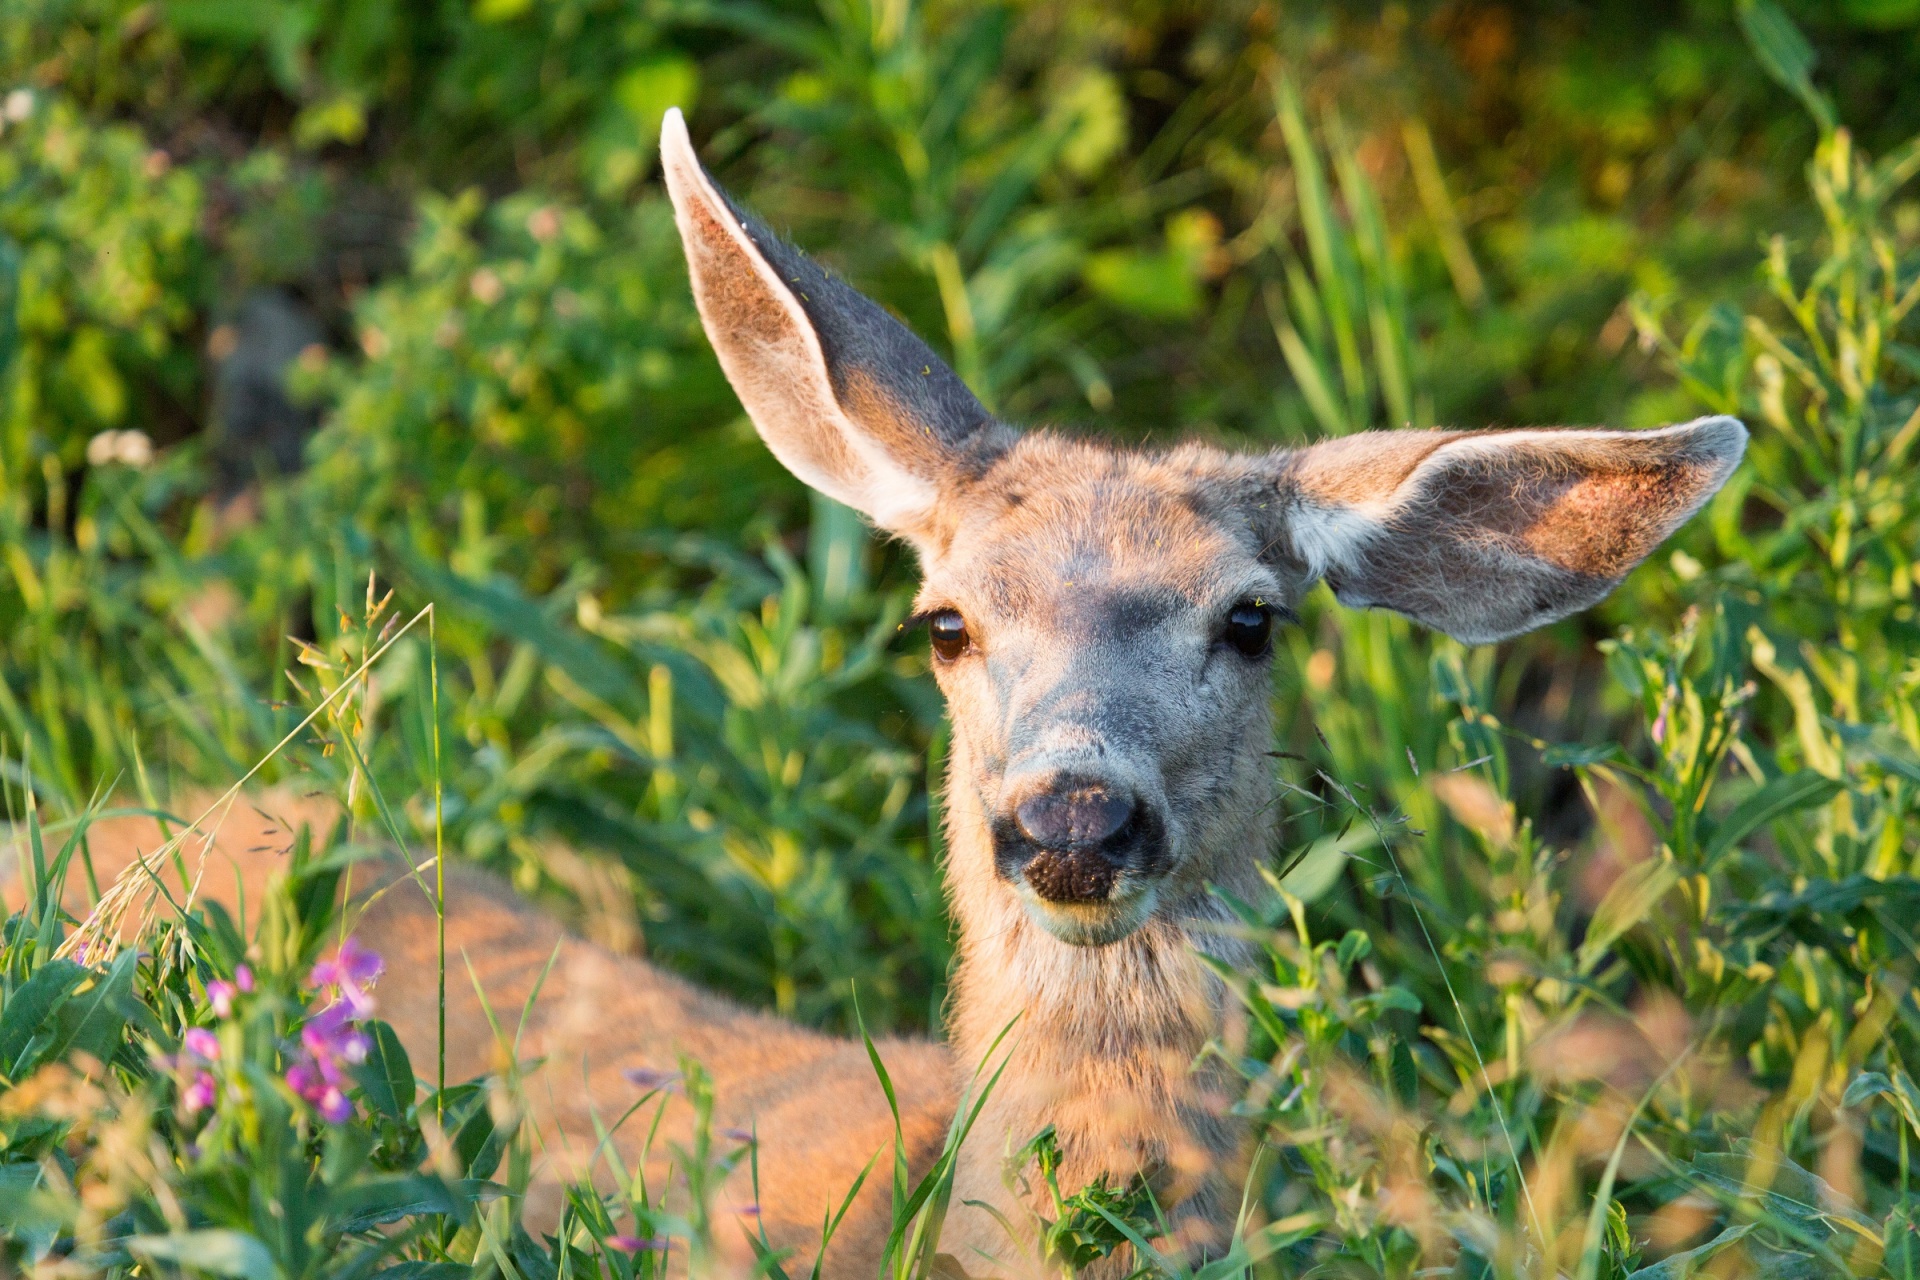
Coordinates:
634 1244
199 1095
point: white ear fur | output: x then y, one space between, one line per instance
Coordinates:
821 427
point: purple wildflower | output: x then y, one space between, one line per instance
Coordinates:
352 969
220 996
334 1107
202 1044
304 1078
648 1078
198 1095
331 1037
243 978
738 1135
634 1244
747 1210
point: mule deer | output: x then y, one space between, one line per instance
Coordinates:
1101 624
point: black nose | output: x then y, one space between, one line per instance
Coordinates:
1081 818
1071 841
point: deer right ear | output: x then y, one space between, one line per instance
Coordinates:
1486 534
846 397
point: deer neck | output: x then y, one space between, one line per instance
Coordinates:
1099 1042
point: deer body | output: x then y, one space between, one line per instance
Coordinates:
1100 620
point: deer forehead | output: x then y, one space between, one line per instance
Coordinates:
1072 531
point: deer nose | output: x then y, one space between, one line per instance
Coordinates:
1081 818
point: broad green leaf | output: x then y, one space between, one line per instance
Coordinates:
1682 1266
386 1077
1792 1195
1319 868
1635 894
425 1271
1355 946
1786 55
30 1214
374 1202
1865 1085
222 1252
9 299
1899 1089
92 1020
1786 794
29 1008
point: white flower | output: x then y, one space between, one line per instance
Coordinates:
19 105
128 448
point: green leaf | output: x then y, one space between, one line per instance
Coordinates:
1682 1266
1405 1073
30 1214
9 299
375 1202
1793 1195
91 1022
1159 285
1318 869
1786 794
1634 895
1355 946
1786 56
28 1010
386 1077
1900 1090
224 1253
1865 1085
1574 755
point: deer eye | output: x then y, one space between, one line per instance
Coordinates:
1250 628
948 631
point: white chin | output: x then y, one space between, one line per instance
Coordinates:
1091 924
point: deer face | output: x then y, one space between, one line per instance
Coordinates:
1101 619
1102 626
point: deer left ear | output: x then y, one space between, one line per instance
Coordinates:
1487 534
844 395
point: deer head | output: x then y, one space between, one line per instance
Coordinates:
1101 618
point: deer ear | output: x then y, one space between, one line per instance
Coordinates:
1487 534
846 397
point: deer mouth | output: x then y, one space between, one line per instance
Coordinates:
1091 922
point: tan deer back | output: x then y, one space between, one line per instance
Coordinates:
812 1100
